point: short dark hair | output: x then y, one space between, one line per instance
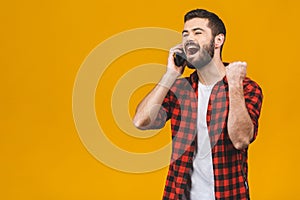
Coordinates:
214 22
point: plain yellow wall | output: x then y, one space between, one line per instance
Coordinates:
44 43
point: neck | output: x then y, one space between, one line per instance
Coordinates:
211 73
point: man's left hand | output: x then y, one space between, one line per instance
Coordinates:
236 72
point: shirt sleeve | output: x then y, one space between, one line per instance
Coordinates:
253 99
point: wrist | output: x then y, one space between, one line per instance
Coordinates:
235 83
168 79
235 89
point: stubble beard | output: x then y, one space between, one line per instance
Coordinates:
205 56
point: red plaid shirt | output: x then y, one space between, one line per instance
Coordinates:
229 164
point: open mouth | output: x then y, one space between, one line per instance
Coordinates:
192 49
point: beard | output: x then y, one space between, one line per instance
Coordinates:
205 55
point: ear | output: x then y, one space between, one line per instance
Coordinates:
219 40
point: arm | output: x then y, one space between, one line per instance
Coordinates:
149 107
240 125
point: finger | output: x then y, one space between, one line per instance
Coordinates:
242 63
237 63
177 47
177 51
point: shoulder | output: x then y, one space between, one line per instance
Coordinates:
250 86
248 82
185 85
188 80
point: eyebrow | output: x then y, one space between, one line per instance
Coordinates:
194 29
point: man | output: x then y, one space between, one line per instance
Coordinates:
214 115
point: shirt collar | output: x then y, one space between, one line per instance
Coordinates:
195 78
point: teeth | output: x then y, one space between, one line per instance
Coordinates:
192 47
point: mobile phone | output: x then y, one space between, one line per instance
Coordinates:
180 60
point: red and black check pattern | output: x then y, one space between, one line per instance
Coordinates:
229 164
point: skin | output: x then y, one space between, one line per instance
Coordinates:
196 44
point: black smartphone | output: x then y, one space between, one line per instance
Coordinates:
180 60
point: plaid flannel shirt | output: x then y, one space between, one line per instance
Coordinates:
229 164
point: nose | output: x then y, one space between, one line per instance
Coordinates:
188 42
188 39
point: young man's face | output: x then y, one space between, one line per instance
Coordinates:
198 44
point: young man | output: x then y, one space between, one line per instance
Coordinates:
214 115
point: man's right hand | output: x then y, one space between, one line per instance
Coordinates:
172 69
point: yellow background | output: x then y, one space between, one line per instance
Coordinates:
43 44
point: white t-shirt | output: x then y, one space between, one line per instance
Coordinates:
203 176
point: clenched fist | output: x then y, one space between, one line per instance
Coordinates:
236 72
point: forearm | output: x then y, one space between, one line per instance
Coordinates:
147 110
149 107
240 126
